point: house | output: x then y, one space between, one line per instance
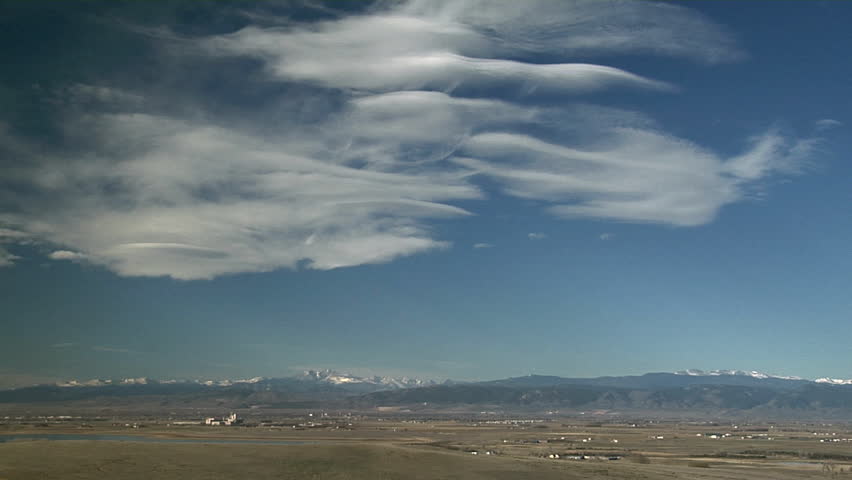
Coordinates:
229 420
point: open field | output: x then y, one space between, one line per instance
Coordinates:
372 448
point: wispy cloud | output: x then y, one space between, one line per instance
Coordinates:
66 255
10 236
7 259
17 379
828 124
483 245
536 236
63 345
632 174
606 236
236 203
357 133
587 27
108 349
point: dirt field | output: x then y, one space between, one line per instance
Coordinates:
373 450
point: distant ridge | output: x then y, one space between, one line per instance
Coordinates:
324 376
720 391
833 381
743 373
336 377
373 383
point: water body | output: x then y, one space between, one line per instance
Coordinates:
799 464
139 438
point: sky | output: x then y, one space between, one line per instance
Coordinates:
446 189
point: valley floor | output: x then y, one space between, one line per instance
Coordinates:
404 450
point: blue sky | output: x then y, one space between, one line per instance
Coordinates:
462 190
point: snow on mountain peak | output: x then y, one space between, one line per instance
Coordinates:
337 378
834 381
135 381
742 373
251 380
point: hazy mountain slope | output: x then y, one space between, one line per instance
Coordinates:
719 391
655 380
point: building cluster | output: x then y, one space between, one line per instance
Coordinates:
229 420
512 421
579 456
486 452
721 436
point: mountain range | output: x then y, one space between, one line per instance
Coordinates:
325 376
720 391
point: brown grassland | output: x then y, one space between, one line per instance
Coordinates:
397 449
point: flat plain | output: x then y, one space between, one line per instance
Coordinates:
369 447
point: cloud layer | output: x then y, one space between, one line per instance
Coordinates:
197 201
347 140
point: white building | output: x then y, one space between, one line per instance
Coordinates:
229 420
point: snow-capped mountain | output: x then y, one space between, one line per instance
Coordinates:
834 381
355 383
326 376
135 381
337 378
97 382
224 383
742 373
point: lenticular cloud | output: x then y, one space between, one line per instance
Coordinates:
372 128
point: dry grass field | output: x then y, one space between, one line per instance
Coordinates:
441 450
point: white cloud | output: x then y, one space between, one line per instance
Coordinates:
83 94
606 236
7 259
413 127
444 45
770 152
828 124
585 27
197 201
9 235
536 236
429 70
483 245
384 122
450 45
66 255
630 174
107 349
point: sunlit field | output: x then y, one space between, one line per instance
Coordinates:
418 449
